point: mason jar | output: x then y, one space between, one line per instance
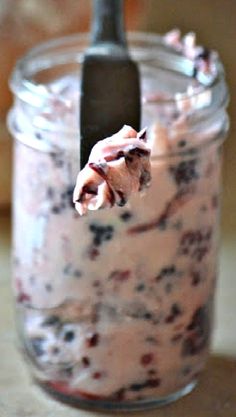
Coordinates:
115 309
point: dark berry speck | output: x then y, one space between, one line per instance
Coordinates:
92 340
146 359
85 361
96 375
69 336
37 344
126 216
185 172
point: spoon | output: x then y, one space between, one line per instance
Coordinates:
110 90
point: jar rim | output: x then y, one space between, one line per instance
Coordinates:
22 87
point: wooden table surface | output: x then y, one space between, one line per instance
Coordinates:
215 395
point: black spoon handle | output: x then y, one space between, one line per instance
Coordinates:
108 22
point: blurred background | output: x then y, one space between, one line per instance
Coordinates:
24 23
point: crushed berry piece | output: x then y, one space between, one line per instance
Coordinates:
175 312
93 253
126 216
198 331
144 179
167 271
196 278
184 172
92 340
122 200
196 243
96 375
119 275
153 383
85 361
152 372
146 359
23 298
69 336
119 395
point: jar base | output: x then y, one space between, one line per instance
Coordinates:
114 406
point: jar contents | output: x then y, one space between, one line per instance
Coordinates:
117 167
117 305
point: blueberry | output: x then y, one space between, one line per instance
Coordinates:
56 209
162 223
38 135
195 71
67 196
147 316
77 273
101 233
140 287
126 216
93 227
166 272
57 158
196 278
174 313
196 243
85 361
51 321
123 200
37 344
185 172
48 287
69 336
149 383
182 143
204 54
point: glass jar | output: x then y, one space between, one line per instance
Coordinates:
115 309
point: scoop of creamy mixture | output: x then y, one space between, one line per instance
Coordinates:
203 59
118 166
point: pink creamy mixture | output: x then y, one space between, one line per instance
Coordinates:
117 305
